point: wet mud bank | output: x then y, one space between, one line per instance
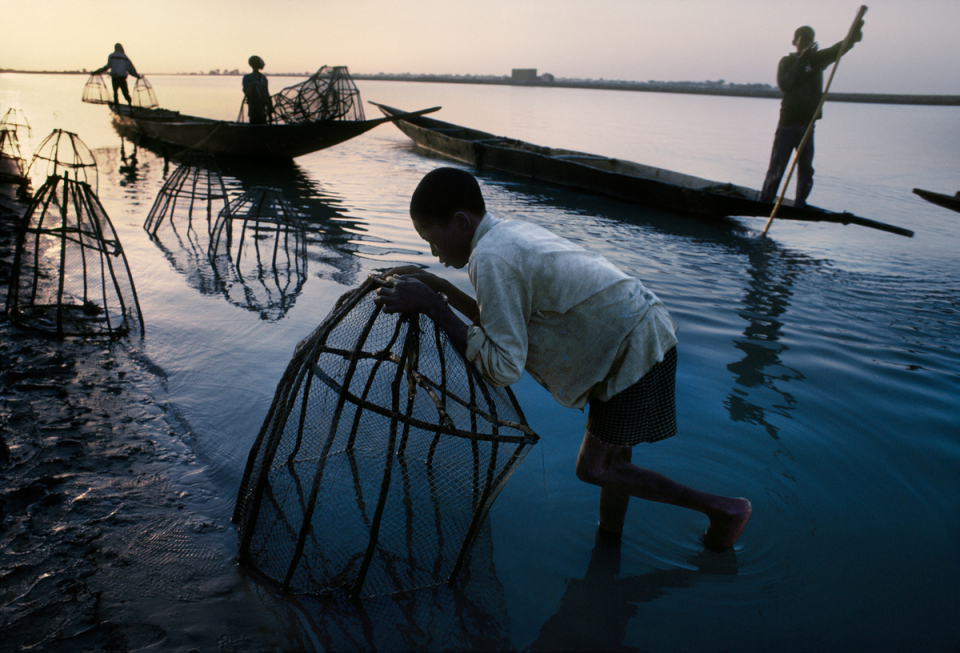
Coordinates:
103 542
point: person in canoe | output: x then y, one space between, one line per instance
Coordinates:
119 65
589 333
257 93
800 78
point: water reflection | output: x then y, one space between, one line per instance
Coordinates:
123 168
772 275
128 166
331 236
258 253
267 271
596 610
471 614
182 217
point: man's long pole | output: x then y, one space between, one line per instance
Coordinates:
806 134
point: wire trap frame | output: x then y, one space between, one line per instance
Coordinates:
379 459
95 91
63 153
70 275
329 94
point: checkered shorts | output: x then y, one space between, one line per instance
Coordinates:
644 412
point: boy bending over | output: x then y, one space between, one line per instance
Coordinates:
582 328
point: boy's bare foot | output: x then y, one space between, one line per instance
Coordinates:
724 530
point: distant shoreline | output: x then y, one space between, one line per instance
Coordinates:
692 88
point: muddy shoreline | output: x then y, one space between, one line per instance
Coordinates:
103 542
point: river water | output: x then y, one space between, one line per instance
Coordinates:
819 368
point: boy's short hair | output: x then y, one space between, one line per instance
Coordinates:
443 192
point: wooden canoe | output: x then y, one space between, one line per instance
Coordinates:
237 139
940 199
624 180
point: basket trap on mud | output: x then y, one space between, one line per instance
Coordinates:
70 276
380 456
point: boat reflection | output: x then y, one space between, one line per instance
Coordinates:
266 271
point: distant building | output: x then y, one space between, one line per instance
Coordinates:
547 78
524 75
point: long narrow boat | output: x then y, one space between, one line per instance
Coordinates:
940 199
624 180
238 139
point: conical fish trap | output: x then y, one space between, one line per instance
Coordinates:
14 120
329 94
63 153
70 276
142 94
95 91
381 454
258 252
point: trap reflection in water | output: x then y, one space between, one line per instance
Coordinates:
183 216
258 251
379 459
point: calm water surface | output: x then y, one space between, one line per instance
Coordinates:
819 369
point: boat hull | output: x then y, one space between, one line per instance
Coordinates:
624 180
940 199
239 139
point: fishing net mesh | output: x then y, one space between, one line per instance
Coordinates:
70 276
63 153
329 94
98 91
380 456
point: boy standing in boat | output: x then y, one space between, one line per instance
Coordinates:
586 331
119 65
800 78
257 93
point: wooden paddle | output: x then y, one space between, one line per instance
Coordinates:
806 134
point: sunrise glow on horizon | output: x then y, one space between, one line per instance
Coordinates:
905 49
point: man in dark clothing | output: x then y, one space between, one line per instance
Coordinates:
257 93
119 65
800 77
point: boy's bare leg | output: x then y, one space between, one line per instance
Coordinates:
609 466
614 501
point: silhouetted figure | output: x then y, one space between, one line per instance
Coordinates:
800 77
119 65
259 104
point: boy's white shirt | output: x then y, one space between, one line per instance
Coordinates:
582 327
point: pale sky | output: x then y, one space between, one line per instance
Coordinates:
909 46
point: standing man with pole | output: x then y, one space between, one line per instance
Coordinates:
800 77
